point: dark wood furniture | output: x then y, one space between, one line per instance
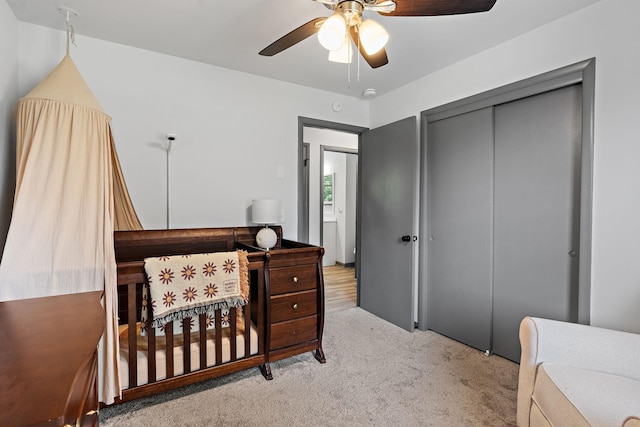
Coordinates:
295 302
48 360
131 248
294 330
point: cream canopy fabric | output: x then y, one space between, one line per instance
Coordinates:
70 196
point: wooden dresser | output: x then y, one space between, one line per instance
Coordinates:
295 300
48 360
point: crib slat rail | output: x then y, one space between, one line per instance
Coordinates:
186 346
233 328
131 307
151 345
218 338
169 348
131 249
202 319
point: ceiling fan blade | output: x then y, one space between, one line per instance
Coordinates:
293 37
439 7
377 59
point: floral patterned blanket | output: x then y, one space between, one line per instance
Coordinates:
183 286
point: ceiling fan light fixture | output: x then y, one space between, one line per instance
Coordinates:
373 36
333 32
344 54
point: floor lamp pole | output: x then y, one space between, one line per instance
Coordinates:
170 138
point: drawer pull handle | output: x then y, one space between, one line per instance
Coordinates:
295 306
92 412
295 279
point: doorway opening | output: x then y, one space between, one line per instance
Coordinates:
339 168
328 204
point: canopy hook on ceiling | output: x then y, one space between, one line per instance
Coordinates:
71 33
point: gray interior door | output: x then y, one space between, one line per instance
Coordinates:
388 183
303 231
537 212
460 187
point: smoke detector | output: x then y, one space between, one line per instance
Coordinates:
369 93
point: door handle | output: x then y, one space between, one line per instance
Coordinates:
406 238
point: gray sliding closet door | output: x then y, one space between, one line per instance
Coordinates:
536 212
460 187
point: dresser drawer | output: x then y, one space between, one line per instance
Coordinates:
292 306
292 279
293 332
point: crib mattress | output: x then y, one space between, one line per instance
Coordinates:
178 365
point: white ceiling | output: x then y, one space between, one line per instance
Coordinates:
231 33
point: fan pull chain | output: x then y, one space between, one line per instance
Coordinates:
358 55
349 66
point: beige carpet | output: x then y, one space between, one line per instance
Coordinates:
376 375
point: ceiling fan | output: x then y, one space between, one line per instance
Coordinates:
346 23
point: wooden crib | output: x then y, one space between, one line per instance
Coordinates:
152 363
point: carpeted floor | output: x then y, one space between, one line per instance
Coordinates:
376 375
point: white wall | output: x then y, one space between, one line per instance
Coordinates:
350 209
329 238
608 31
237 133
8 98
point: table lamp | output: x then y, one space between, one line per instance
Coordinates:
266 211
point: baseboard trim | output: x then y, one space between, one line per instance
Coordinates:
346 265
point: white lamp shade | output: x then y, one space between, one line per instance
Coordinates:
373 36
265 211
344 54
332 32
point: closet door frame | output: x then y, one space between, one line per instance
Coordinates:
582 72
